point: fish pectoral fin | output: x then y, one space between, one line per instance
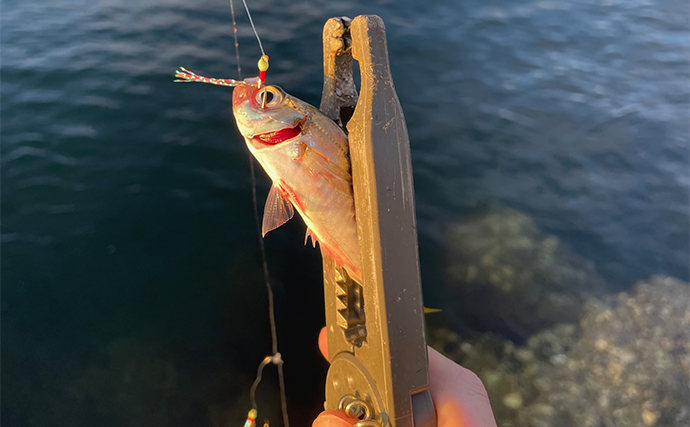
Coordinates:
428 310
278 210
317 162
313 237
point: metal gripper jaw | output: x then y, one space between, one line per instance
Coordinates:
377 349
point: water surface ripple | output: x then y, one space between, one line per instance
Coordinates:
132 291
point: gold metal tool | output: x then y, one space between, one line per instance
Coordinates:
376 342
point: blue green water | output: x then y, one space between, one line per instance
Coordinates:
131 283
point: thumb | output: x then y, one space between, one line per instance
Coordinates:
334 419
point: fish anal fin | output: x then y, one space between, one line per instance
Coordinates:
278 210
313 237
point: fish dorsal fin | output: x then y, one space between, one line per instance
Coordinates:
313 237
278 210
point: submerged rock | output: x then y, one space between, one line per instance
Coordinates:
507 276
625 364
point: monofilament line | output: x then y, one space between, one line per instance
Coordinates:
251 21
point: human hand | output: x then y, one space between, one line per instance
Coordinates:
458 394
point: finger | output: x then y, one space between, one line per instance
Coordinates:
334 419
458 394
323 342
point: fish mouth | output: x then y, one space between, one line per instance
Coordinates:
278 136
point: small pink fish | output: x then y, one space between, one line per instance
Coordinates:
306 156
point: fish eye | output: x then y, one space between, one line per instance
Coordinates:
269 96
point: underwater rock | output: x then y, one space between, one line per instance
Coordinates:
625 364
506 276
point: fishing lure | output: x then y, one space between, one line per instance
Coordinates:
185 76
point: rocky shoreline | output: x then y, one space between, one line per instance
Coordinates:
581 358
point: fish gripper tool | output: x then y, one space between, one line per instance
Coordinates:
376 339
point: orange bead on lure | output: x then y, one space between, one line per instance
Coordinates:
306 156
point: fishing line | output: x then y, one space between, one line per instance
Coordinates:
251 21
237 44
276 358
